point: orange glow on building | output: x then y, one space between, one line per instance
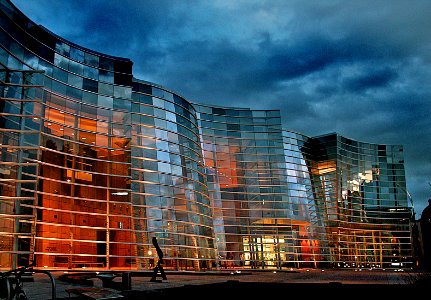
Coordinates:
95 163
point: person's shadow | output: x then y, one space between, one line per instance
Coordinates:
158 268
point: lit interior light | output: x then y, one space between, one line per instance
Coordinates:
84 138
150 252
61 129
61 112
120 193
49 124
35 118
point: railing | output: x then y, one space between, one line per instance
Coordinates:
11 283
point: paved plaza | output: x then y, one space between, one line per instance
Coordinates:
234 281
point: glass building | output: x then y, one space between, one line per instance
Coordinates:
94 163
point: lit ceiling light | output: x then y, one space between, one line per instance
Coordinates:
120 193
84 138
61 129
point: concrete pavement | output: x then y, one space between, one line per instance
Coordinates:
241 280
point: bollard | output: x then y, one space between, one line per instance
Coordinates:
127 281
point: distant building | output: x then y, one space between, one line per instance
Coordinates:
94 163
425 237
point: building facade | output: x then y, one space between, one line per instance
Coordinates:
94 163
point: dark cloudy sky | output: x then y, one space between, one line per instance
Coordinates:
360 68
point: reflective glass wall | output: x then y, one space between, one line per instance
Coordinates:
169 191
259 182
99 172
79 215
20 119
94 163
362 196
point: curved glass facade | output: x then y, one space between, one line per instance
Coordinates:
169 190
261 190
362 199
94 163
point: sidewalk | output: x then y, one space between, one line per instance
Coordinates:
247 282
